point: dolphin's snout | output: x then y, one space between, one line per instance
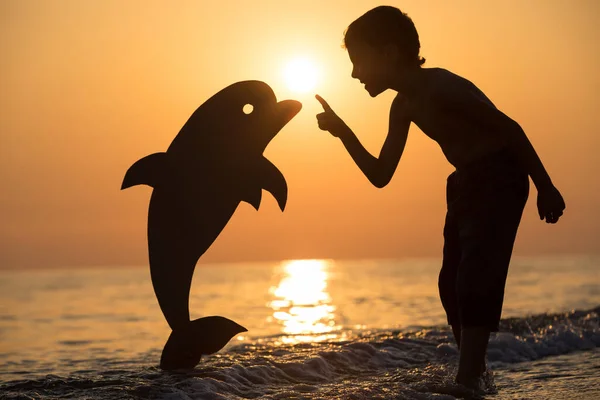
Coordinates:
287 109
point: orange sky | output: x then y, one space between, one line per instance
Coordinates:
89 87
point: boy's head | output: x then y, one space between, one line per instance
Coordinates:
381 42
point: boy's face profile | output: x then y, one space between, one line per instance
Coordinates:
370 66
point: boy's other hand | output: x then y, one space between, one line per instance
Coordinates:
550 204
329 121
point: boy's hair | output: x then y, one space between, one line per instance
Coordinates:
386 25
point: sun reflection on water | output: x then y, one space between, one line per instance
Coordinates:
301 303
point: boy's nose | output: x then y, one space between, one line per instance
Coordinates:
354 73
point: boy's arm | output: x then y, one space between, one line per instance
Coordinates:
379 170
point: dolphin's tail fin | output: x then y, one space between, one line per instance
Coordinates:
146 171
202 336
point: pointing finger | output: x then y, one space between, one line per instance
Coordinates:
323 103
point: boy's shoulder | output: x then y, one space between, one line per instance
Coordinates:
441 79
443 85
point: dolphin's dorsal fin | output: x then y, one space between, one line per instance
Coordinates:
271 179
146 171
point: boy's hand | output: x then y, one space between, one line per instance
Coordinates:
329 121
550 204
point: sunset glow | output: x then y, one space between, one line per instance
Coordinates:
89 87
301 75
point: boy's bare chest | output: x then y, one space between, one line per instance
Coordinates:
461 139
436 122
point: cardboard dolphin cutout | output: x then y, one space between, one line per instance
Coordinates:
215 162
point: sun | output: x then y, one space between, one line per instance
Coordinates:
301 75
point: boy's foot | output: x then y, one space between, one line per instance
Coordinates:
480 385
488 381
476 384
474 387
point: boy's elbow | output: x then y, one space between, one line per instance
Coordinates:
380 181
382 175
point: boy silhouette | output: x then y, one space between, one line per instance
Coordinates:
486 193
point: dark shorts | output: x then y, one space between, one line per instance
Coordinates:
485 204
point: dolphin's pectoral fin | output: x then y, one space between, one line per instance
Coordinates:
271 179
146 171
252 195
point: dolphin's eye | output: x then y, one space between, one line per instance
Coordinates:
248 108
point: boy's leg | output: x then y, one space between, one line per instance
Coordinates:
481 280
457 333
487 235
472 355
447 281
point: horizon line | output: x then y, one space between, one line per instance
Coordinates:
234 263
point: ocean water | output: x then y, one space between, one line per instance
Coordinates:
317 329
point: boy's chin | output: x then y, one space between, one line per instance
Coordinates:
374 91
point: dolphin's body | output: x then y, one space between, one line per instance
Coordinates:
213 164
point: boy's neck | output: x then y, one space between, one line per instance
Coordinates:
408 81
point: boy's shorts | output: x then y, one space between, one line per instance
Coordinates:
485 204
